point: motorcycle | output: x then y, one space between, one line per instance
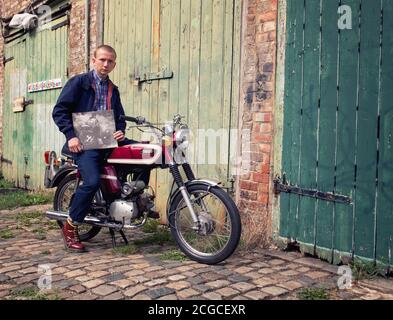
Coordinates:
203 219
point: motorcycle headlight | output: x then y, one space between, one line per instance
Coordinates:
182 139
168 129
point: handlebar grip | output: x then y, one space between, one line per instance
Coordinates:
130 119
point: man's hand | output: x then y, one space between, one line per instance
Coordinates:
119 136
75 145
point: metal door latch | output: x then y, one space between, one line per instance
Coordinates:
284 186
20 104
152 76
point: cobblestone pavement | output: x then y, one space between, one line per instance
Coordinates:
104 274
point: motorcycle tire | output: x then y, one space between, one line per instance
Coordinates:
91 231
192 243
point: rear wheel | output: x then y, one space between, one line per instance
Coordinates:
62 202
220 225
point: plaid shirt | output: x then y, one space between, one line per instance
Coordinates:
101 88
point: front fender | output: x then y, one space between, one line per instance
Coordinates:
207 183
61 175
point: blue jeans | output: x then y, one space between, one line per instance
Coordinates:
89 164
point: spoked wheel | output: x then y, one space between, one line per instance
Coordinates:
220 227
62 201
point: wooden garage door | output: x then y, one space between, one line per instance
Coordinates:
338 129
199 42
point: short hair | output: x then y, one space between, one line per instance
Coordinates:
106 48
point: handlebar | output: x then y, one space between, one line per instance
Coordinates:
137 120
141 121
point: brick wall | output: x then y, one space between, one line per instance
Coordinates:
77 35
257 106
76 38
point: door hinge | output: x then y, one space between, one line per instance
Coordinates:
4 160
6 60
231 185
59 25
281 185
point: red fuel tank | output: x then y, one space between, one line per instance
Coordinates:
109 181
136 154
128 152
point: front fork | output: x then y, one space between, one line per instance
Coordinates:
174 169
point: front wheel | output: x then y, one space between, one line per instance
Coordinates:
220 226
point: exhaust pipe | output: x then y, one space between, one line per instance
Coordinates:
61 216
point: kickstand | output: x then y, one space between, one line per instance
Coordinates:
113 235
112 232
124 237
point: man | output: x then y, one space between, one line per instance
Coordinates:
88 92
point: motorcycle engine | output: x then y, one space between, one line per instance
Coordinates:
133 203
121 210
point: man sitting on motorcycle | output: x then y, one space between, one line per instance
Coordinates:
89 92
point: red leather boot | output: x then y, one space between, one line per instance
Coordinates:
71 238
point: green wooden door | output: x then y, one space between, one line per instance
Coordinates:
338 128
40 56
199 42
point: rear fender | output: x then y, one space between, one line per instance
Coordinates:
63 172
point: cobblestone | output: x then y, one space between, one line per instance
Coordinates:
243 286
179 285
113 297
255 295
274 291
134 291
104 290
157 293
100 274
227 292
187 293
124 283
93 283
218 283
212 296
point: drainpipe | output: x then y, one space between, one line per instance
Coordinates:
87 35
100 22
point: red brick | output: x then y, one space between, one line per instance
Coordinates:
261 178
272 36
259 137
265 168
267 117
268 16
263 198
248 195
262 37
245 185
263 188
265 148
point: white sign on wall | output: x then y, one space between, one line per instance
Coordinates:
44 85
